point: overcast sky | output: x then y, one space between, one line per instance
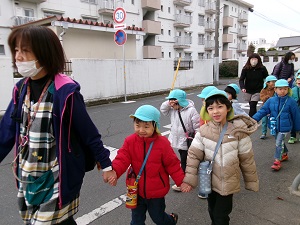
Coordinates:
286 12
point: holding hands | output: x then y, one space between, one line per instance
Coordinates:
110 177
184 187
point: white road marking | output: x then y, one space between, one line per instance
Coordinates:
113 204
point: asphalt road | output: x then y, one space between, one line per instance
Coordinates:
273 204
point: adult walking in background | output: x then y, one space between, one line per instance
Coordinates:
285 68
49 126
252 81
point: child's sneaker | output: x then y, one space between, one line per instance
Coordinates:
202 196
176 188
276 166
263 136
284 157
292 140
175 217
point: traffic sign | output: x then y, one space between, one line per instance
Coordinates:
119 26
120 37
119 15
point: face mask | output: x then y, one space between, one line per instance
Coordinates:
290 61
28 69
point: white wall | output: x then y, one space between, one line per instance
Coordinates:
6 82
104 79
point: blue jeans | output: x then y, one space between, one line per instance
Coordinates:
156 209
264 125
280 145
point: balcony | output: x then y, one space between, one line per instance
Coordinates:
243 17
151 5
182 2
182 42
242 32
210 8
19 20
242 47
227 38
106 7
209 45
227 21
151 27
210 27
33 1
182 20
227 54
151 52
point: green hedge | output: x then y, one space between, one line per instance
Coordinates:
228 69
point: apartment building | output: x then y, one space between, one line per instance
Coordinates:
170 28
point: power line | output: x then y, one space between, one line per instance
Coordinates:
289 7
273 21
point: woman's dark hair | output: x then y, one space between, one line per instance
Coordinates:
221 99
231 91
288 56
44 44
259 62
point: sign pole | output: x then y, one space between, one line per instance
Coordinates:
124 72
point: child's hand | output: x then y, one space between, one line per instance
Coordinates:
112 180
184 187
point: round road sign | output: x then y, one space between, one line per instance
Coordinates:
119 15
120 37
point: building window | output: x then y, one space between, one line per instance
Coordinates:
169 10
200 55
90 1
169 32
29 12
200 39
162 54
162 8
162 31
132 2
2 50
200 20
169 54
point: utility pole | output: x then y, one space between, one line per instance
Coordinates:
216 56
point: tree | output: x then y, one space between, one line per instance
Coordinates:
251 49
261 51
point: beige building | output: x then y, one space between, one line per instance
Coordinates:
166 29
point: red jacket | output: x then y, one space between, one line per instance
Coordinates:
161 163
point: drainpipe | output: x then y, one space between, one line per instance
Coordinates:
61 36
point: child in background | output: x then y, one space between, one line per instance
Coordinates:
266 93
296 96
203 95
284 110
162 161
232 91
177 103
235 155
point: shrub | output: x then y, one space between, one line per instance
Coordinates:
228 68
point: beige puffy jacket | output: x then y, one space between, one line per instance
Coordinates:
235 155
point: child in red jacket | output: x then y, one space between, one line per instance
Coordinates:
154 183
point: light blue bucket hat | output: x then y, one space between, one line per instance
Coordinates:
204 114
235 87
205 91
283 83
180 95
269 78
148 113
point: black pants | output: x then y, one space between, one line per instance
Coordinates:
183 157
253 109
219 208
69 221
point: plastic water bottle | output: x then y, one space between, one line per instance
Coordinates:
273 126
204 179
132 190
